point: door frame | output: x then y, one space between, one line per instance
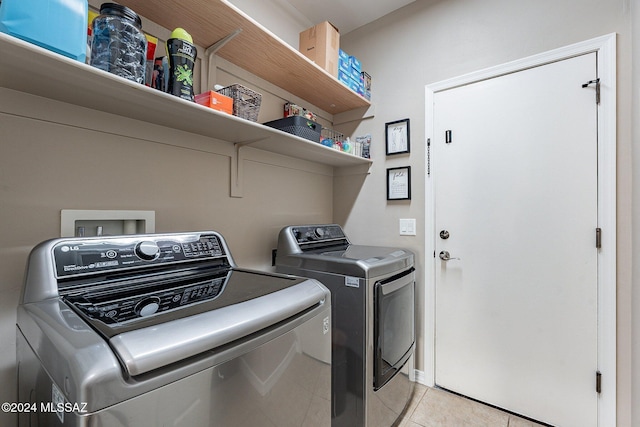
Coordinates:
605 47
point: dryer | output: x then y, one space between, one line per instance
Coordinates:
373 319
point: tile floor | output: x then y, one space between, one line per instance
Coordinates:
438 408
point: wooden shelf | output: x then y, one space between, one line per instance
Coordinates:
255 49
31 69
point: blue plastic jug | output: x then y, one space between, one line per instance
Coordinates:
57 25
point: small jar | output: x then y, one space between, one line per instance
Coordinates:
118 45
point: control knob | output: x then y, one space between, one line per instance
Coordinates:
147 306
319 232
147 250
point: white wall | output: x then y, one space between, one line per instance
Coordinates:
278 16
433 40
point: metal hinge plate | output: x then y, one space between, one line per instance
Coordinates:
598 238
428 156
598 382
597 83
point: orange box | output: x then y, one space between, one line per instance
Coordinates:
216 101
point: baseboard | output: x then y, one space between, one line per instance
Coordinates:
419 377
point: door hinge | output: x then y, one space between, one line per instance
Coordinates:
447 137
598 382
597 83
428 156
598 238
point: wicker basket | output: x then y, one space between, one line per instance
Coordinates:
246 102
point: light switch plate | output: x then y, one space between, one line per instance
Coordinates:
407 226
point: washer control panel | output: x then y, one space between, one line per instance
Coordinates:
123 307
92 255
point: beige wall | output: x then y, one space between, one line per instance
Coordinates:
433 40
56 156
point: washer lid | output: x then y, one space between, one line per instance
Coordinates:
146 349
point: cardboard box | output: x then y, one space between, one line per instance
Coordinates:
355 64
344 66
321 44
215 100
355 86
344 77
355 75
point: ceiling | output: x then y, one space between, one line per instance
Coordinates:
346 15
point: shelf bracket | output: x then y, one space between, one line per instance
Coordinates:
237 166
210 52
251 141
220 43
358 115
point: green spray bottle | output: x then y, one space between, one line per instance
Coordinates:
182 56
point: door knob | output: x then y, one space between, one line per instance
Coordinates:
446 256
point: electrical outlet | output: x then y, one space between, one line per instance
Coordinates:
407 226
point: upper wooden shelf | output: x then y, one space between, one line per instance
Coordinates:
31 69
255 49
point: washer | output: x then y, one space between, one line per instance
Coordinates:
165 329
373 312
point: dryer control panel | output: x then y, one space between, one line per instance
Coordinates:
319 233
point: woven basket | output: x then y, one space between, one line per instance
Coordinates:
246 102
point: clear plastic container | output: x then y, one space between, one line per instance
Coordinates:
118 44
57 25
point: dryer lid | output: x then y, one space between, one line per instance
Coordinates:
354 260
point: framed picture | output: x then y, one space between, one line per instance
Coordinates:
399 183
397 137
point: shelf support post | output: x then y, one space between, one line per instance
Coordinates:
237 173
237 166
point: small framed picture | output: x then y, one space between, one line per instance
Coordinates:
397 137
399 183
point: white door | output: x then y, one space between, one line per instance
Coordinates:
516 202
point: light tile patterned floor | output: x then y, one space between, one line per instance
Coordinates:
438 408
